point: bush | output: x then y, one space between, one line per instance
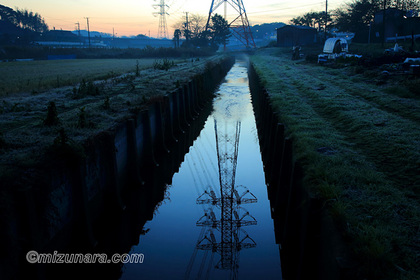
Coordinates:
413 86
2 142
165 64
85 89
312 58
52 115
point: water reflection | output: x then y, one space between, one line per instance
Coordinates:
202 231
231 216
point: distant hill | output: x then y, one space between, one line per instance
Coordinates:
93 34
265 30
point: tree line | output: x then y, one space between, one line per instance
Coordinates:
23 19
197 35
353 16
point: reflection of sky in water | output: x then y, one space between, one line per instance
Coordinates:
170 245
231 104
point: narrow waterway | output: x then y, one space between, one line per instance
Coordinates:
215 222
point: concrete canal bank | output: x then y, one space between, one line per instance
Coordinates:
310 245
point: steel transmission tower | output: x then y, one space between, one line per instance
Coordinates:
232 215
239 25
163 26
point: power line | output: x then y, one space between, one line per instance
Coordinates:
288 8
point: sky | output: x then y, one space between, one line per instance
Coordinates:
133 17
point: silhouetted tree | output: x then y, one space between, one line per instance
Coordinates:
196 24
357 15
312 19
219 30
177 35
23 19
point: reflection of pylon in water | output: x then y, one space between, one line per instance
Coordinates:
232 217
239 25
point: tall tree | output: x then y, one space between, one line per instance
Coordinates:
219 30
357 15
177 35
311 19
23 19
196 24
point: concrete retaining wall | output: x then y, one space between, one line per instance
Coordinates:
303 230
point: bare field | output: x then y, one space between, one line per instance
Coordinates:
35 76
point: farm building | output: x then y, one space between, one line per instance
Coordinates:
293 35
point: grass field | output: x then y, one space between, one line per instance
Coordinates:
371 181
35 76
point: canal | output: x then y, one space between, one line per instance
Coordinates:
214 221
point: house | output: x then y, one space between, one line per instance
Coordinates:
59 38
293 35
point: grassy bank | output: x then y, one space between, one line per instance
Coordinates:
30 124
369 178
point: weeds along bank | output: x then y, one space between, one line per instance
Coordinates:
69 153
359 151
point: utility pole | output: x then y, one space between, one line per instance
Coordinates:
326 19
78 28
383 25
187 27
87 20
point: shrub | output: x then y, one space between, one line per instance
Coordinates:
82 119
2 142
165 64
85 89
52 115
413 86
106 105
137 69
312 58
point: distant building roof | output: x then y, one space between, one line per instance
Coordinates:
298 27
293 35
60 36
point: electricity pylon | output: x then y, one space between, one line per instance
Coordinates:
163 26
239 25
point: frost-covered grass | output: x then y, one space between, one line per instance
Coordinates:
371 182
82 114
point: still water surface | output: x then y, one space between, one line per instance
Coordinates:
215 222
